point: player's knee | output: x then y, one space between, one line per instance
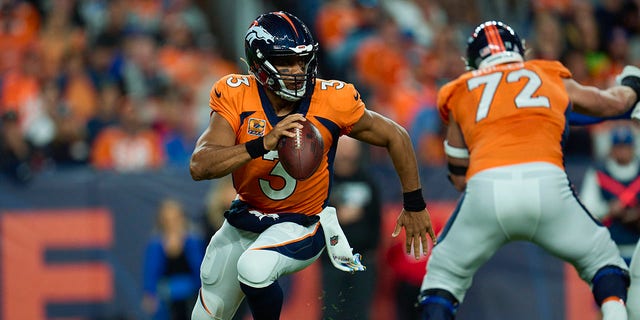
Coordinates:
256 268
437 304
199 312
610 281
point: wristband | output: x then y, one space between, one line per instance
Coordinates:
413 201
632 82
255 148
457 170
455 152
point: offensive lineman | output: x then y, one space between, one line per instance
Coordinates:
506 121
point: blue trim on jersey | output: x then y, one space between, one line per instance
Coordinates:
453 217
239 216
565 132
334 129
267 107
245 115
577 119
304 249
272 117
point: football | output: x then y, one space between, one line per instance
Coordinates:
301 155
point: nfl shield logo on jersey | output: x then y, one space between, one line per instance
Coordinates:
333 240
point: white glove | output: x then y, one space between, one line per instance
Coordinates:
338 249
630 71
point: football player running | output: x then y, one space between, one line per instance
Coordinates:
279 225
506 123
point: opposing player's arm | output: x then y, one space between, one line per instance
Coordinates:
457 154
217 155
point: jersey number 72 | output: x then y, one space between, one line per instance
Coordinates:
524 99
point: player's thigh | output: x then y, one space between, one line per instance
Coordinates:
471 237
221 294
568 231
282 249
633 298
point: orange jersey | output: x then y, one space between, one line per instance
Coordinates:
509 114
334 107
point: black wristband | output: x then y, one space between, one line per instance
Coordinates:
457 170
413 200
255 148
632 82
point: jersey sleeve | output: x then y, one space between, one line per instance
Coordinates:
554 67
444 95
222 102
348 107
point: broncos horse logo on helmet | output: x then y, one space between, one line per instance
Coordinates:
278 35
491 43
256 32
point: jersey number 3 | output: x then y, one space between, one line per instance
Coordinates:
524 99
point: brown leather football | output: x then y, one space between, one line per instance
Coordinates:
300 156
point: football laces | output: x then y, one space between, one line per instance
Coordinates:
298 138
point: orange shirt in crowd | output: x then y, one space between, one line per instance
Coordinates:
18 29
335 20
379 65
117 149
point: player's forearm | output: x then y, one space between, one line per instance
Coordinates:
605 103
404 160
210 162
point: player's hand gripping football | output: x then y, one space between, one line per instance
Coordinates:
418 230
284 128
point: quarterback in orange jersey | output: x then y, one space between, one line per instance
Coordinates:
279 225
506 123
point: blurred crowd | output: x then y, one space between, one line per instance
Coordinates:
113 84
124 85
400 52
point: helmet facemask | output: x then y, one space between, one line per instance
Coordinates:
275 73
281 54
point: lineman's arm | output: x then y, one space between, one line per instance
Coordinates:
610 102
457 155
592 101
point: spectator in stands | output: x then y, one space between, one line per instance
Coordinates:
611 190
340 56
20 24
172 265
142 75
175 124
110 97
61 33
128 145
15 153
357 200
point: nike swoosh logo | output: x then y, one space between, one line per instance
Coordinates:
218 94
